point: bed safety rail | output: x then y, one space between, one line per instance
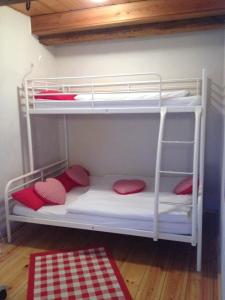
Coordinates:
27 180
105 84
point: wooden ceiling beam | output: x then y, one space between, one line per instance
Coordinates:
141 12
208 23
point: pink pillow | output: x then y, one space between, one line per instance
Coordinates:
51 191
184 187
29 198
85 170
79 175
60 96
125 187
68 183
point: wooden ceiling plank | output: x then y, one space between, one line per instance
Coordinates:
37 8
152 29
43 7
141 12
60 6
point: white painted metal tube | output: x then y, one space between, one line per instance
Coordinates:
100 76
33 173
201 169
178 142
195 175
125 83
157 172
177 80
53 172
29 130
25 183
111 110
7 213
66 139
176 172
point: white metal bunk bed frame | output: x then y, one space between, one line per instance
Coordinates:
198 162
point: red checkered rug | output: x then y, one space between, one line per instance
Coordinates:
86 274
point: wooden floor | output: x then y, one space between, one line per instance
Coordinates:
162 270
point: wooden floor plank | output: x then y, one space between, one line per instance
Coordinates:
153 281
136 264
152 271
176 275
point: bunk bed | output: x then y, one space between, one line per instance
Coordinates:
155 213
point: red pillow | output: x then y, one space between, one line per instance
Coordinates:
64 97
78 175
29 198
184 187
68 183
125 187
60 96
46 92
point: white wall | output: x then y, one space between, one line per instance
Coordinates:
17 50
115 144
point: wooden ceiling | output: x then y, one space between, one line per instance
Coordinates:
43 7
68 21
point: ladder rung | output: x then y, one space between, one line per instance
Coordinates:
176 172
176 204
178 142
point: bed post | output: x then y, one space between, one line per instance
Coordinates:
195 176
8 231
66 140
8 226
29 131
163 113
201 171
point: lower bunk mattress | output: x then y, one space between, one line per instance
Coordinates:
99 205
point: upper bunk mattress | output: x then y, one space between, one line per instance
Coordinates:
136 99
99 205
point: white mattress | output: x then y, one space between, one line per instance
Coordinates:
106 100
132 96
99 205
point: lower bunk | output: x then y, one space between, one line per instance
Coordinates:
99 208
99 205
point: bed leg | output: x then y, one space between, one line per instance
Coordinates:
199 255
8 230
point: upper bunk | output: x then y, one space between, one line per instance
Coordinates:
124 93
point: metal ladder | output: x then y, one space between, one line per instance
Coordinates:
194 173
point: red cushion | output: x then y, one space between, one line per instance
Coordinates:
66 182
125 187
184 187
79 175
60 96
29 198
